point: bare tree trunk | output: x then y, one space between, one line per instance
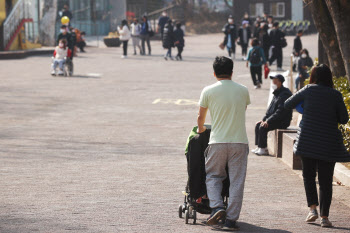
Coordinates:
340 12
47 23
325 27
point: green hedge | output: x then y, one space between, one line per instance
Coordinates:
342 84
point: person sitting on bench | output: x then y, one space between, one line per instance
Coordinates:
277 117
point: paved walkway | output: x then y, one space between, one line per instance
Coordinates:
104 151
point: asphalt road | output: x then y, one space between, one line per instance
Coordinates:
103 151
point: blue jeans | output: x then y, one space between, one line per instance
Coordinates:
168 53
300 81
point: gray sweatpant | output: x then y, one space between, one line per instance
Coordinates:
235 156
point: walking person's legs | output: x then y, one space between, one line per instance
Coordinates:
253 74
233 51
237 169
259 73
325 179
215 166
143 40
229 50
125 48
134 44
181 49
148 44
138 44
279 57
273 56
309 167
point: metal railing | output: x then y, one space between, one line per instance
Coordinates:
19 12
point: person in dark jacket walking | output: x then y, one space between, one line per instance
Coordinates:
146 29
264 39
319 141
244 34
276 36
230 31
304 63
162 20
297 47
168 38
277 117
179 40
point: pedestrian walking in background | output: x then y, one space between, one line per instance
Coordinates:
228 146
278 42
135 35
66 12
297 47
276 117
125 36
244 34
163 19
304 64
319 141
168 39
230 31
256 29
256 59
146 30
179 40
270 22
264 39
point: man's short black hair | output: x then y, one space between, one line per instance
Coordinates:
63 27
276 24
300 31
223 66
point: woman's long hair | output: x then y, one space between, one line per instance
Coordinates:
321 74
125 23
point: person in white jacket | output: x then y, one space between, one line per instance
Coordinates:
125 36
135 35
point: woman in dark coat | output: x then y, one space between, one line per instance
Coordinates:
168 38
179 40
319 141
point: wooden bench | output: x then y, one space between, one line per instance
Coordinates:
275 138
288 155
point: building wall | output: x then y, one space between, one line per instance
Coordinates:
245 6
96 17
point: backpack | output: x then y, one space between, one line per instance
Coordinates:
255 58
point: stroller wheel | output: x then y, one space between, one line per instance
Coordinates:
180 211
194 216
187 216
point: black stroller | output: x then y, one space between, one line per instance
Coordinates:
195 195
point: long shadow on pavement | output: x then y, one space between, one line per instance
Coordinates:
246 227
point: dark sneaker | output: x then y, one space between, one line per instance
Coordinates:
230 226
216 215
